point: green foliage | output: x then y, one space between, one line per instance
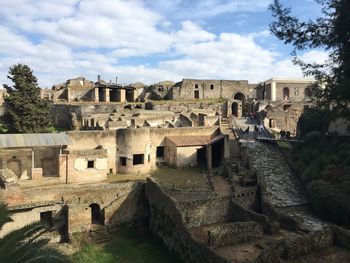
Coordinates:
329 202
25 111
331 31
314 120
26 245
127 246
324 165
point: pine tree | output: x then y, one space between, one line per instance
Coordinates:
331 32
25 111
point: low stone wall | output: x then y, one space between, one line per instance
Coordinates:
294 247
233 233
166 221
206 211
242 214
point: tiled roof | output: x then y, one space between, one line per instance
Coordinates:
190 140
34 139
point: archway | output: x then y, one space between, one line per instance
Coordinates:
15 166
285 93
234 108
240 96
97 215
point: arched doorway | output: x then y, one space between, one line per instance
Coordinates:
239 96
285 93
97 215
15 166
234 108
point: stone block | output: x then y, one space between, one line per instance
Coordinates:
37 173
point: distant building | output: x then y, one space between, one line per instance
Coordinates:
285 89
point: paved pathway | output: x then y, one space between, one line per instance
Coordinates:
284 189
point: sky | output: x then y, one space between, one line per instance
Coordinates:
147 40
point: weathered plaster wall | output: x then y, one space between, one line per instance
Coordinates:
122 203
89 140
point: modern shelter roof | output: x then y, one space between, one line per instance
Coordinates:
193 140
34 140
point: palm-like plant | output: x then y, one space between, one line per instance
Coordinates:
26 245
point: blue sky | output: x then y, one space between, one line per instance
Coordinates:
147 40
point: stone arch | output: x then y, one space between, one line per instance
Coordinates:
239 96
97 214
285 93
234 109
15 166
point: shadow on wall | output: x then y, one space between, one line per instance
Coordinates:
133 210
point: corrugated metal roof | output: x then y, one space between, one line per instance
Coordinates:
33 140
190 140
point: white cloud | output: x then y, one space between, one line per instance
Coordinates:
65 39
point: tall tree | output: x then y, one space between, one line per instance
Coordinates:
331 32
25 111
26 244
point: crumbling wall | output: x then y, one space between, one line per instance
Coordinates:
166 221
234 233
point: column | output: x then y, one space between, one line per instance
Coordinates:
273 90
96 95
209 159
107 95
122 95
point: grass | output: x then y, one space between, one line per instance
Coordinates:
191 177
126 246
118 178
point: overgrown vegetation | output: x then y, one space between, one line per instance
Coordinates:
127 246
324 165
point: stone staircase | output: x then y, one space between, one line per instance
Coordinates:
98 234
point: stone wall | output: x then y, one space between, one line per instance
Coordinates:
234 233
166 222
121 203
210 89
205 211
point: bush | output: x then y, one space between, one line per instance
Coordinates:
329 203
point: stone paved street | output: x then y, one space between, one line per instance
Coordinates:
283 189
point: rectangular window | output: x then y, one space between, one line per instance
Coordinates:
196 86
138 159
211 86
46 218
160 151
196 94
122 161
91 164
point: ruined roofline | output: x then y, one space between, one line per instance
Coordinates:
238 80
289 80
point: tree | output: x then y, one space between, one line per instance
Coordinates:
330 32
25 111
26 244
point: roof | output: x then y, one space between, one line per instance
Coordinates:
193 140
33 140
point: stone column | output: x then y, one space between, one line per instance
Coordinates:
107 95
209 159
122 95
273 90
96 95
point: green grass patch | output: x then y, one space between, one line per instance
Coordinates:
127 246
190 177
